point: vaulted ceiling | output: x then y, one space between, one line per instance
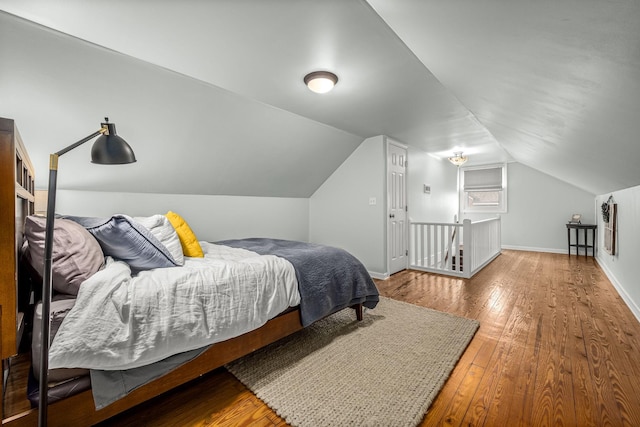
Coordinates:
210 94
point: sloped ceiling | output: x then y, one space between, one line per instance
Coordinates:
556 82
210 94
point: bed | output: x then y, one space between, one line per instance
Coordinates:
287 311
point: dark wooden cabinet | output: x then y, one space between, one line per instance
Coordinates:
585 241
17 183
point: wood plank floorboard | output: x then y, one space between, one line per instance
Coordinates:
556 346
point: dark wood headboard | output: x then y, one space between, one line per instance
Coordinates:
16 190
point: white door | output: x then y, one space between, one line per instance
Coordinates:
396 207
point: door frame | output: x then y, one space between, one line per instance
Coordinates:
388 143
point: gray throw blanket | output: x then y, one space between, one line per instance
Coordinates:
329 279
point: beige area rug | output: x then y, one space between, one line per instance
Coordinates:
383 371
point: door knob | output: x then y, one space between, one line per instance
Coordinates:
392 216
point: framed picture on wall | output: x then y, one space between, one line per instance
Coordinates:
610 227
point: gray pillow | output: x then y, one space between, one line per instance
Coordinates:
123 238
76 255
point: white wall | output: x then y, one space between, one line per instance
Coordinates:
441 204
339 211
621 268
539 207
188 136
212 218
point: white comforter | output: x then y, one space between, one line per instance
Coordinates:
121 322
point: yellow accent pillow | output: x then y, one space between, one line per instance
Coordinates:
190 245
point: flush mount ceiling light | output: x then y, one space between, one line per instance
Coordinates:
320 81
458 159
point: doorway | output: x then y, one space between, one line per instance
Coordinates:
397 227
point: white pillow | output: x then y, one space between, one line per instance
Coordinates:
162 230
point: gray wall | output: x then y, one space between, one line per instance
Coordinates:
539 207
441 204
621 268
211 217
339 211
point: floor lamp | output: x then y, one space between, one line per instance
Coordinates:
109 149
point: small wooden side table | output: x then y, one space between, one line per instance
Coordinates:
577 244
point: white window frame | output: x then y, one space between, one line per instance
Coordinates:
502 191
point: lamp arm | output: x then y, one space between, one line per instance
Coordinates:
102 130
43 380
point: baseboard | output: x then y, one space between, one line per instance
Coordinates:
380 276
623 294
532 249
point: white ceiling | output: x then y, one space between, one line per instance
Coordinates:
553 85
556 82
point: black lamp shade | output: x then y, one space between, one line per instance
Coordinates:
110 149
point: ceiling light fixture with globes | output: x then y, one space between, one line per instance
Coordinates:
458 159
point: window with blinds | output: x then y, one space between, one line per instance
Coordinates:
484 188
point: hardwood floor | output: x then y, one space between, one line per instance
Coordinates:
556 346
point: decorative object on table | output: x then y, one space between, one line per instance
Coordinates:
576 219
610 218
109 149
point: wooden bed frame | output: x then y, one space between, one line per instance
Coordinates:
79 409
